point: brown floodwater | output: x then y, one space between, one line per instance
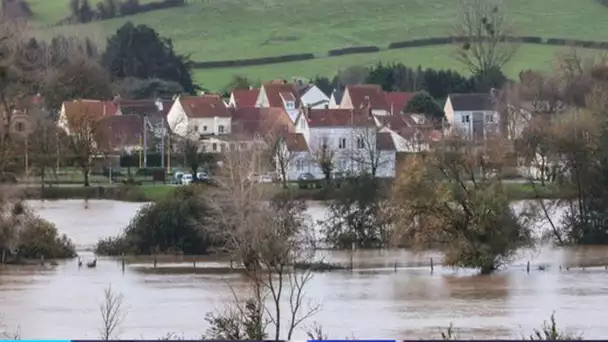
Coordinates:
373 301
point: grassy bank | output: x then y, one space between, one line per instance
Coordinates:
128 193
151 193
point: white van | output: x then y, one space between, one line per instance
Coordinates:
187 178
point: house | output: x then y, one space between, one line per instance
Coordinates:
294 155
280 95
96 108
408 135
397 100
472 115
243 98
120 133
199 116
348 137
364 96
313 97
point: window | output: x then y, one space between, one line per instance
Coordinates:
343 164
220 128
360 143
466 119
204 128
342 143
195 128
243 146
489 118
214 147
290 104
299 165
19 127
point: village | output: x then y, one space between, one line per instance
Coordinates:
314 136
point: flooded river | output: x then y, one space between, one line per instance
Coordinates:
374 301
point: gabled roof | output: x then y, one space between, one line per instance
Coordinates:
395 122
96 108
273 93
397 100
140 107
337 94
251 122
295 142
287 96
304 88
338 117
245 98
362 94
471 102
204 106
384 142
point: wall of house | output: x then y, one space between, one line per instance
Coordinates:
332 102
449 111
177 119
262 101
387 164
466 128
209 125
314 97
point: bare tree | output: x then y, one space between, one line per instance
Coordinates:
324 155
112 312
366 153
271 239
85 137
486 31
43 142
283 156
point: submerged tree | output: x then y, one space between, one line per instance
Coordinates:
454 199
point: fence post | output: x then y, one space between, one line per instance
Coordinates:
432 266
528 267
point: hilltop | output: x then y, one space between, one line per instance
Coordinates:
237 29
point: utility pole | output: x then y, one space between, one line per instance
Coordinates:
162 143
145 128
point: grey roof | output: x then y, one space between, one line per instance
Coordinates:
337 93
470 102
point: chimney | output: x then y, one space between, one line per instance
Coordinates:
202 93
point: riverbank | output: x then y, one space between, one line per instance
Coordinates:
151 193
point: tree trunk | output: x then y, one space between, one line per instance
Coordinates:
85 173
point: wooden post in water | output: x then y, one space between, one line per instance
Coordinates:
395 266
528 267
194 263
432 266
155 260
352 252
42 259
123 262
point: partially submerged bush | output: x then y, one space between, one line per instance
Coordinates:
39 238
178 223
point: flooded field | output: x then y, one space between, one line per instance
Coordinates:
373 301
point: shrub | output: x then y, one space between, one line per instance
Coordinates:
180 222
40 238
353 49
557 41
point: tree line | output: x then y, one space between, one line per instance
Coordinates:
81 11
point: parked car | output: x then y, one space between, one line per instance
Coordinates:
266 178
187 178
177 177
202 175
306 177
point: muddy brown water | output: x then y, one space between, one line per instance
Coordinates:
373 301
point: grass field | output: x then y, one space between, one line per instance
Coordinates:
529 56
232 29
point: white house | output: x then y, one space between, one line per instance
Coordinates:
197 116
348 138
313 97
280 95
473 115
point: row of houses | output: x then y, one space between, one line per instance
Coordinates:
359 129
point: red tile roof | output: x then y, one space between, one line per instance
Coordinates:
204 106
397 101
120 131
361 95
384 142
295 142
245 98
338 117
274 90
97 108
395 122
251 122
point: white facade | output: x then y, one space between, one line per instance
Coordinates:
479 123
183 125
353 148
314 98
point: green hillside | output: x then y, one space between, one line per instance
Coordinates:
236 29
